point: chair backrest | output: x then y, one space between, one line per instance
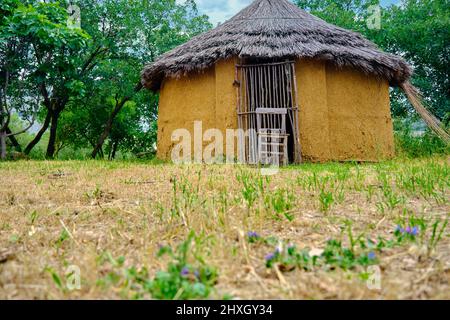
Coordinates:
271 120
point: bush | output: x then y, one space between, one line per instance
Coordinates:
415 144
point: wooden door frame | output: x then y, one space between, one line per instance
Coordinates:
247 116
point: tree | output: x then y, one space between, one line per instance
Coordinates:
52 54
82 70
349 14
13 54
158 26
418 30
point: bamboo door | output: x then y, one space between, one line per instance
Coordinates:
265 86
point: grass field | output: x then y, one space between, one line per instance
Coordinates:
143 230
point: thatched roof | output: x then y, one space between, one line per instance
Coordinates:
277 29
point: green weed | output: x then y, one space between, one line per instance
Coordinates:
187 276
280 203
252 187
326 200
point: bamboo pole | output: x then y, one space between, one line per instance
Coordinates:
416 100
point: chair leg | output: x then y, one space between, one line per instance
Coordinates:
259 160
285 152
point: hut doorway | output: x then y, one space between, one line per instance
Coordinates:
268 113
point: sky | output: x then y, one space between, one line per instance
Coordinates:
221 10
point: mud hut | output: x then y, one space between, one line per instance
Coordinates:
306 90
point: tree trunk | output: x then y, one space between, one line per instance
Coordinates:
52 139
108 128
110 151
103 137
114 150
110 121
13 140
39 135
3 145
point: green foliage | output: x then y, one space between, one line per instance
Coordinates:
42 29
437 233
252 186
146 29
183 280
187 276
329 187
425 233
361 251
326 199
418 30
87 72
416 145
290 259
7 8
185 195
63 236
349 14
33 217
334 255
56 278
280 203
39 58
429 182
253 237
389 198
45 25
95 195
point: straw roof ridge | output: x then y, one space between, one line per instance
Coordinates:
277 29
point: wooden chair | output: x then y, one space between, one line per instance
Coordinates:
272 136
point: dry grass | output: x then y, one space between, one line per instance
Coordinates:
129 209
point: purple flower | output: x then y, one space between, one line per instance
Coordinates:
253 235
415 231
400 229
270 257
185 272
408 230
371 256
197 274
